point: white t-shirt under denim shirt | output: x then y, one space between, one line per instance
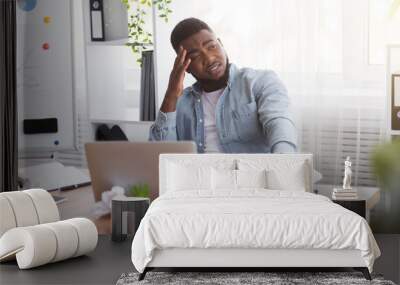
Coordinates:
211 139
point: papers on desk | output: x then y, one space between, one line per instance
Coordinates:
59 199
53 176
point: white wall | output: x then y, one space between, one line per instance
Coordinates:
113 83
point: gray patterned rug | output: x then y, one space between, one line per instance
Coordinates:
230 278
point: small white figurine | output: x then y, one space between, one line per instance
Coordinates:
347 174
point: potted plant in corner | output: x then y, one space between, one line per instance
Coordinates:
386 165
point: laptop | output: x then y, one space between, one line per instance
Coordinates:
120 163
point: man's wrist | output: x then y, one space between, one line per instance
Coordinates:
283 147
166 120
169 103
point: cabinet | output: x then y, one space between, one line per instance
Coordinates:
356 206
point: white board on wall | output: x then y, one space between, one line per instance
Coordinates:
45 73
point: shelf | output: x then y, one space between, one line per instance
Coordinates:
119 42
115 121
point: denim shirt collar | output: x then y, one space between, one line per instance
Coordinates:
197 90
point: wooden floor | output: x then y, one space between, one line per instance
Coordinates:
80 203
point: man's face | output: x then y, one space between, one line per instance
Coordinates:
208 58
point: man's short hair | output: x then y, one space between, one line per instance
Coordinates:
185 29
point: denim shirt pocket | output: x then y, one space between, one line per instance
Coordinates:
246 121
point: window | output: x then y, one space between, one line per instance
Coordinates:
320 50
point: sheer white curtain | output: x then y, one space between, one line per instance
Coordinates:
320 50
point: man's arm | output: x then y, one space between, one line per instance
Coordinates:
273 109
164 128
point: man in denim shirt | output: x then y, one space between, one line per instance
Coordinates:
228 109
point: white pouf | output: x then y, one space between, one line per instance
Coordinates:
67 237
41 244
87 233
31 232
45 206
23 208
7 216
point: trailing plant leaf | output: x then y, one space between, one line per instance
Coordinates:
139 39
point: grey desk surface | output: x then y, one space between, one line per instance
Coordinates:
102 266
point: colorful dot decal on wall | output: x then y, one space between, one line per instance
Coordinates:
47 19
46 46
26 5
